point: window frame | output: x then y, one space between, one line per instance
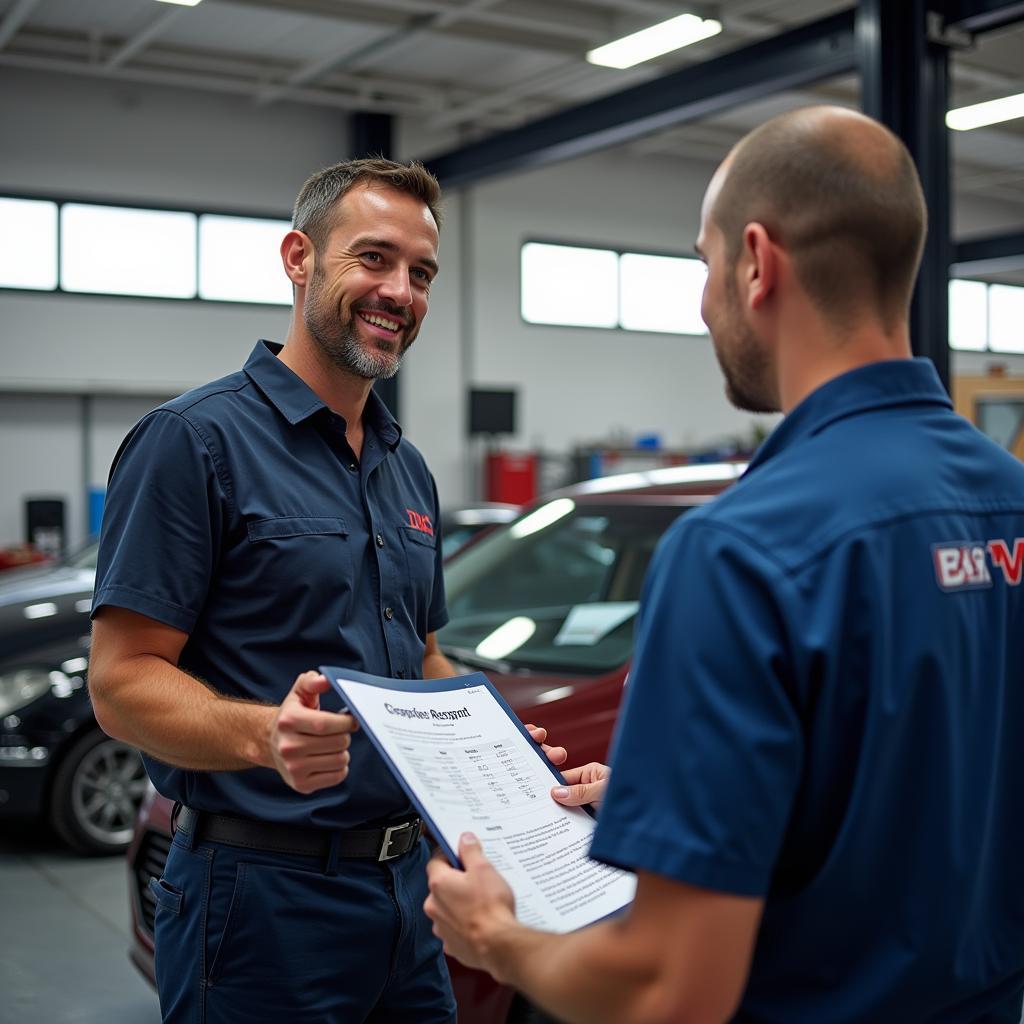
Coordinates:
619 252
160 207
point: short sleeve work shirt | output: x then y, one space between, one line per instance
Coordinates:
239 515
826 710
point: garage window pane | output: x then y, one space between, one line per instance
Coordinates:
569 285
28 244
120 251
968 315
662 293
1005 318
240 260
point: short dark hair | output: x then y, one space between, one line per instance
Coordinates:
315 210
846 204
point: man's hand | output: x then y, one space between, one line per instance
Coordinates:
586 785
309 747
556 755
469 908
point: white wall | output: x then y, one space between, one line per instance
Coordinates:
72 138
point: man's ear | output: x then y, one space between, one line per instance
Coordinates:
759 266
298 257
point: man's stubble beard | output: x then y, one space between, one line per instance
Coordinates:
339 338
746 365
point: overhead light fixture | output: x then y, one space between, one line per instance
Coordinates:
652 42
978 115
181 3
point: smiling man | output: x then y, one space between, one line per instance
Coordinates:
819 772
271 521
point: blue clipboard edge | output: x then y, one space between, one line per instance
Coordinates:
337 676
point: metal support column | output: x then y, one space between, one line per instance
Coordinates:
371 134
905 85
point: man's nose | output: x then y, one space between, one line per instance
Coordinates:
396 287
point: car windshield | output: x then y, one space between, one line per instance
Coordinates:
556 591
85 558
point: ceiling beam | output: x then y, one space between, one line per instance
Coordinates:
14 19
981 15
536 31
989 255
204 82
798 57
385 45
140 40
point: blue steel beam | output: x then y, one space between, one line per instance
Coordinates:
796 58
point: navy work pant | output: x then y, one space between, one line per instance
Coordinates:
253 936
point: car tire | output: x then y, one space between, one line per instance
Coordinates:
96 793
522 1012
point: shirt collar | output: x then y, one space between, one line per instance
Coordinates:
878 385
296 401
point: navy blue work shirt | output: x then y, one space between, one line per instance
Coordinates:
826 710
238 514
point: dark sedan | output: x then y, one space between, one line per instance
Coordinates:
55 763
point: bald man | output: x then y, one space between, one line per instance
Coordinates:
819 772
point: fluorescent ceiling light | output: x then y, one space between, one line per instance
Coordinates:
652 42
978 115
182 3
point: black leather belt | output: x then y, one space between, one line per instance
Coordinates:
384 843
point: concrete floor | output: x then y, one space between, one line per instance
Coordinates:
65 935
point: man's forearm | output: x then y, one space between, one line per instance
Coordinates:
178 719
591 976
437 666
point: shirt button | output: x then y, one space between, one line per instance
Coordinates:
380 540
389 613
353 466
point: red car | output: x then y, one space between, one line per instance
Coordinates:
545 605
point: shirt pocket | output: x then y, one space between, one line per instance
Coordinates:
281 527
420 556
305 560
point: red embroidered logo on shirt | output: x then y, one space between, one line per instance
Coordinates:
418 521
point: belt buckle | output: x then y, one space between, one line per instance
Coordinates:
389 838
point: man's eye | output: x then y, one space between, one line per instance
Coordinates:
421 274
372 257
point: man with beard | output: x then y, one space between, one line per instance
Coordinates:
818 772
271 521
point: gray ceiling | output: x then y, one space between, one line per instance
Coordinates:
466 68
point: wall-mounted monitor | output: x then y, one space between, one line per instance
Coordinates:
492 411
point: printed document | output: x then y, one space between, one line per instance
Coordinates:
468 765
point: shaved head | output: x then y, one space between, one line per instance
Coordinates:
840 193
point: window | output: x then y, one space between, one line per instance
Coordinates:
968 315
1006 318
575 286
986 317
555 591
240 260
103 249
123 251
661 293
28 244
569 285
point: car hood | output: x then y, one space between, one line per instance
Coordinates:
38 609
26 586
